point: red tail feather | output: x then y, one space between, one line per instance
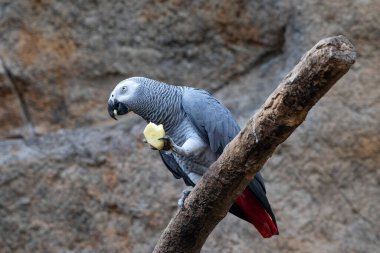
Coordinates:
256 213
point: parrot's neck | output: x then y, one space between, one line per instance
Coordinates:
162 105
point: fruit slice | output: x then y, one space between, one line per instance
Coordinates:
153 133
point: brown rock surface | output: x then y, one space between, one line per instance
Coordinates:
79 182
12 116
66 57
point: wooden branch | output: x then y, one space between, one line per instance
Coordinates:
281 114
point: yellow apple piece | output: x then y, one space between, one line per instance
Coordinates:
153 133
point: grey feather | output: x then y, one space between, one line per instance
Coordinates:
210 118
174 168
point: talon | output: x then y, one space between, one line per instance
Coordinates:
168 143
181 202
166 138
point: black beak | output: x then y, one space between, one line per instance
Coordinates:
111 109
116 106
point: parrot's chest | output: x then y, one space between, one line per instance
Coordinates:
197 164
182 133
199 161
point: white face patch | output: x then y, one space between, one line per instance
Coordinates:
125 90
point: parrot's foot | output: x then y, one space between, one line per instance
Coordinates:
169 144
181 202
191 146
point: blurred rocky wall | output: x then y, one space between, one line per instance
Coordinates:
73 180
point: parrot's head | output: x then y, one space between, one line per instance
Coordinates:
122 97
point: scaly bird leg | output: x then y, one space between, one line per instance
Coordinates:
192 146
185 193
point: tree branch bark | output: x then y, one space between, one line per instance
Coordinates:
281 114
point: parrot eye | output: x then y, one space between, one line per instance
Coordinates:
124 88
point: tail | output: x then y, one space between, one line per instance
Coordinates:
255 213
253 206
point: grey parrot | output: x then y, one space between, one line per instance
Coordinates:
198 127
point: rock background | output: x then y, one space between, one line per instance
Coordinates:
72 180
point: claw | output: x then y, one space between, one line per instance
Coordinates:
181 202
168 143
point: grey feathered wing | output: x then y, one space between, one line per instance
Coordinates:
213 121
174 168
217 126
